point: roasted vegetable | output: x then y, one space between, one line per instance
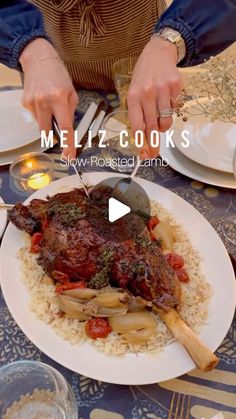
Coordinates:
165 233
137 337
81 293
73 306
97 328
111 299
132 321
137 304
36 242
136 328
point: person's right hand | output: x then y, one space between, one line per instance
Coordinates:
155 87
48 89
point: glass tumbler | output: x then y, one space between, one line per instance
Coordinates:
33 390
32 171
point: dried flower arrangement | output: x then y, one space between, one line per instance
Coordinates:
215 84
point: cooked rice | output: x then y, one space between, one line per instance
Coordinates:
45 304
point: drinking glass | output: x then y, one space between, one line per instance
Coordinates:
32 390
122 74
229 224
120 159
32 171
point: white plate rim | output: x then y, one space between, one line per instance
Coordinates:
3 218
196 171
16 93
35 147
194 152
36 330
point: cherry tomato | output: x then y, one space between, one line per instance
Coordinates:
182 275
97 328
176 261
36 242
60 288
60 277
152 222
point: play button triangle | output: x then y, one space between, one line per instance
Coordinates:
117 209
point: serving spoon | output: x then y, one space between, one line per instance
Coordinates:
123 184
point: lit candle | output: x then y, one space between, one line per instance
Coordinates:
38 180
29 164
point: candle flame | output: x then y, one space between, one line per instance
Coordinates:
29 164
39 180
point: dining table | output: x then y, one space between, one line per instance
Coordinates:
201 395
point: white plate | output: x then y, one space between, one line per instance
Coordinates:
131 368
10 156
196 171
212 144
17 125
3 218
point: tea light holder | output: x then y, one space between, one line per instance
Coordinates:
32 171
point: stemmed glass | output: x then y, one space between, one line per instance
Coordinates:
121 159
122 75
229 224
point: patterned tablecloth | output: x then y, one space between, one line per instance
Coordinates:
209 392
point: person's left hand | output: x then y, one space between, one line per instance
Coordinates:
155 87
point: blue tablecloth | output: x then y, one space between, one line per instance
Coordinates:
210 392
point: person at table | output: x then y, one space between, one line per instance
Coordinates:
58 43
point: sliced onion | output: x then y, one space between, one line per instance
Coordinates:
72 308
139 336
81 293
112 311
164 232
111 299
132 321
137 304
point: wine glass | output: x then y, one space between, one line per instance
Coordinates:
122 75
30 389
229 224
120 158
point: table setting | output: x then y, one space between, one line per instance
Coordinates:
196 185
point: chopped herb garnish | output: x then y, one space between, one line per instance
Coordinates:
68 214
139 268
143 241
101 279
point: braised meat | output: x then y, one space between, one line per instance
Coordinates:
79 244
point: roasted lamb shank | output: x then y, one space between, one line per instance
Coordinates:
78 243
77 239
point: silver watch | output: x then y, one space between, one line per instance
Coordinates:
173 36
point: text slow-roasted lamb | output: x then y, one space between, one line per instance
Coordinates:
76 242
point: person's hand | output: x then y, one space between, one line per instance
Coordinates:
155 87
48 89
